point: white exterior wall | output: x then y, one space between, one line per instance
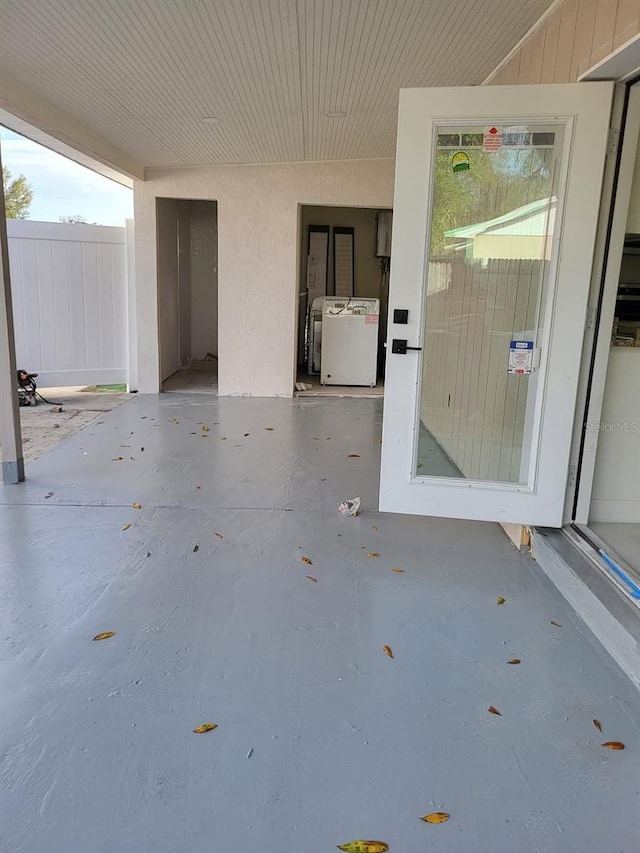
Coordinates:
69 289
258 220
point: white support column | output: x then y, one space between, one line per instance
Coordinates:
10 436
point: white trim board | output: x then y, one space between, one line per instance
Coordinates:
621 65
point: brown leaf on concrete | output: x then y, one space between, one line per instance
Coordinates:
219 535
269 429
500 600
514 660
598 725
205 727
362 846
311 578
117 459
105 635
373 554
196 548
205 428
436 817
374 527
136 506
493 710
126 527
399 571
556 624
354 456
246 434
306 561
613 744
388 652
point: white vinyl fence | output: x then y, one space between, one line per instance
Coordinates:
69 289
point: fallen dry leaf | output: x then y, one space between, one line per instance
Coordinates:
269 429
105 635
436 817
400 571
196 548
373 554
126 527
388 652
514 660
362 846
598 725
493 710
374 527
203 435
246 434
354 456
306 561
311 578
500 600
556 624
205 428
117 459
137 506
205 727
613 744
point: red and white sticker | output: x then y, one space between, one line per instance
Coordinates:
492 139
371 319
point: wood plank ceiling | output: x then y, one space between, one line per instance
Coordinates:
142 74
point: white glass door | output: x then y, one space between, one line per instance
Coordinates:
496 204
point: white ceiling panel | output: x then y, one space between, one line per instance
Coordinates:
142 74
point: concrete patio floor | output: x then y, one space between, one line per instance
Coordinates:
321 738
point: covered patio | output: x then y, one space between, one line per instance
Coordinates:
322 738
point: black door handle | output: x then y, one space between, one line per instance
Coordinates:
399 346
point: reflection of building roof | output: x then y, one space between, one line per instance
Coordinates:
535 219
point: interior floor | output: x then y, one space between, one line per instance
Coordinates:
623 538
191 379
318 390
192 553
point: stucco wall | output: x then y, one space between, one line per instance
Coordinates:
168 331
577 35
257 259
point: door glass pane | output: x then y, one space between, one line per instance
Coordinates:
490 248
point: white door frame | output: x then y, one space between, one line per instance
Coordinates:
401 491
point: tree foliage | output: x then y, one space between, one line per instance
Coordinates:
73 219
495 184
18 195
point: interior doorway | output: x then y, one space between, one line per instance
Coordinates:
342 300
614 514
607 500
187 240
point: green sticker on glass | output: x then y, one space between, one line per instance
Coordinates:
460 162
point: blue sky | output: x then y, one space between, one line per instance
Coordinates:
62 187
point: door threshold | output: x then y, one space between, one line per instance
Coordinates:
606 559
609 613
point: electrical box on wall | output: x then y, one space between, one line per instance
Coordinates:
383 234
